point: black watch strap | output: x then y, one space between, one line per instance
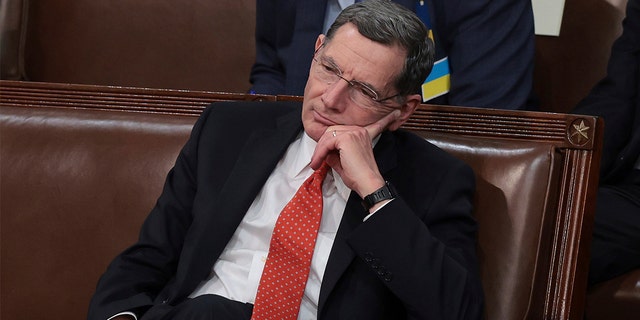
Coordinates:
386 192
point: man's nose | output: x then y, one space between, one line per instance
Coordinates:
336 95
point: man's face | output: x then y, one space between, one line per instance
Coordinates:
370 66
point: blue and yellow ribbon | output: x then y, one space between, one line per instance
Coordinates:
439 80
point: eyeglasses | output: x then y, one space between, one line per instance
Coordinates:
360 93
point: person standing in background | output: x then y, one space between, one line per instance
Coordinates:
615 249
484 49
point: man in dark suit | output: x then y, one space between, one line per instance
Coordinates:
489 47
396 238
616 235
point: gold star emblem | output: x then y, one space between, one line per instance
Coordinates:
581 131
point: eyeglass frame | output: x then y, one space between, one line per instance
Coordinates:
338 72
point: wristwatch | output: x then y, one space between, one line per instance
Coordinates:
386 192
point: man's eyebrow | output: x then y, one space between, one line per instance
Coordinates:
328 59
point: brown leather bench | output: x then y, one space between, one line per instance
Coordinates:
209 45
81 166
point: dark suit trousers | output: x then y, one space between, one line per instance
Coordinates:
205 307
616 235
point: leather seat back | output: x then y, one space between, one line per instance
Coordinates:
517 184
76 186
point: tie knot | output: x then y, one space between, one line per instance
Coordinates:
322 171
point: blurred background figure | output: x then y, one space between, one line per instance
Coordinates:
484 49
616 236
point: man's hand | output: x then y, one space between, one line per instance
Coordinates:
348 150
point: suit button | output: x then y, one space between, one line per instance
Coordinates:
385 275
368 257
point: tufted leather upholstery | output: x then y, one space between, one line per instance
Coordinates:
81 166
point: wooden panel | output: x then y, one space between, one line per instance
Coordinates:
190 44
41 94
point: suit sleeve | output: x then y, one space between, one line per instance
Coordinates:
267 73
491 48
134 278
424 250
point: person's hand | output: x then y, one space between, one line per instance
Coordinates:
348 150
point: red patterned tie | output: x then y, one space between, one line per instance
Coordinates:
294 237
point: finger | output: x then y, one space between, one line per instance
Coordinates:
381 125
333 160
317 158
326 143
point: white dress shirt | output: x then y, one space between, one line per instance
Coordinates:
236 274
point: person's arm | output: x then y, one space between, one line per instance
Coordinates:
267 73
135 278
491 48
427 258
424 240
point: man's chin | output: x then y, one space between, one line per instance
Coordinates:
314 130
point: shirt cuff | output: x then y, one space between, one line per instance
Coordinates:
127 313
380 207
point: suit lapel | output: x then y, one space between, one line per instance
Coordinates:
257 160
341 253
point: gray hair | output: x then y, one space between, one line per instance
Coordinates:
390 24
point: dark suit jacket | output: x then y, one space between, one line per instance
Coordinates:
615 98
490 45
413 259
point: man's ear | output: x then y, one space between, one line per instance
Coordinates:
319 41
406 110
